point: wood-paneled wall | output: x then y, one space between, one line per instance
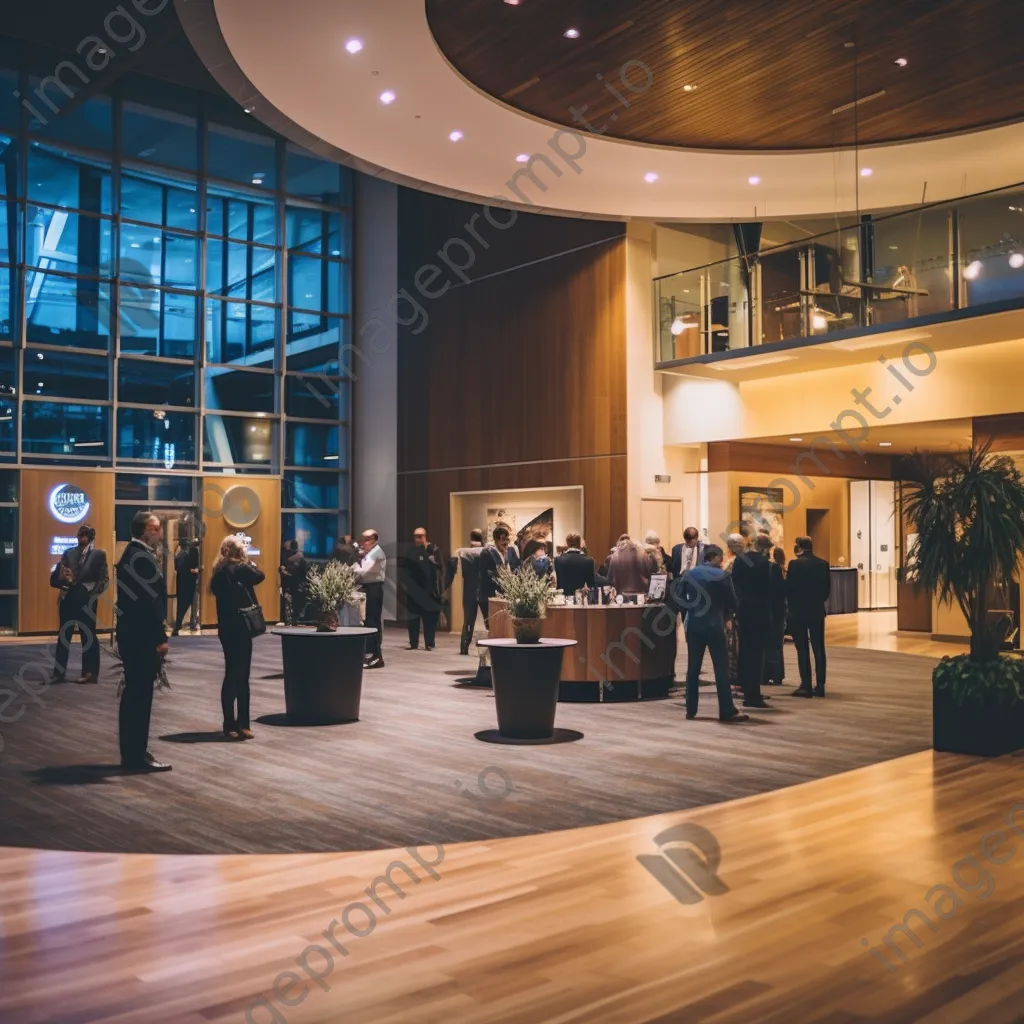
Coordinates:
778 458
517 380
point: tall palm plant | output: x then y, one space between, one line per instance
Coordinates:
968 511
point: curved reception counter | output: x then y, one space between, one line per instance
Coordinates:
622 652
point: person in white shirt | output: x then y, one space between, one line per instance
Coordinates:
372 568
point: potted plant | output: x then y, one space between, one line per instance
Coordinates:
527 595
968 512
329 589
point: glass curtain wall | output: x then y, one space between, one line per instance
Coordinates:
175 292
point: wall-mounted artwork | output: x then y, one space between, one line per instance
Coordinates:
762 508
540 528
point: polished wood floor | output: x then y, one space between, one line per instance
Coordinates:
411 766
876 631
559 928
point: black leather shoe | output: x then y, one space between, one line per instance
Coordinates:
760 702
803 692
737 717
151 764
819 691
376 663
691 714
56 678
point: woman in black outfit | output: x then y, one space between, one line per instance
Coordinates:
232 581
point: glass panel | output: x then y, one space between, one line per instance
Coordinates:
10 108
8 227
9 612
679 315
153 256
145 488
8 551
6 318
317 231
313 178
309 490
314 444
318 284
9 484
157 436
241 271
87 124
237 331
66 310
248 220
58 240
62 179
152 383
155 323
236 155
992 247
316 396
316 532
315 343
66 375
158 202
8 167
159 136
55 428
8 438
239 440
240 390
913 254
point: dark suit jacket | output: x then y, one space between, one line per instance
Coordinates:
574 571
707 596
753 589
678 559
808 585
141 600
489 562
778 593
91 574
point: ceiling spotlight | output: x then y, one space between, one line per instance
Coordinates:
1016 260
885 444
651 177
796 439
571 33
512 3
354 45
522 158
387 97
866 172
972 270
753 180
900 62
248 110
455 135
689 87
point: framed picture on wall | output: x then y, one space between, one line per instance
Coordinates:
761 507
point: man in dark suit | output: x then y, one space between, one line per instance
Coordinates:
687 555
491 558
141 638
754 617
186 576
81 575
420 577
573 569
467 561
708 596
808 585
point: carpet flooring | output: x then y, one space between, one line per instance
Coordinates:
411 769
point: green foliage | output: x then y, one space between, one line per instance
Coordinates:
526 592
974 683
332 586
968 513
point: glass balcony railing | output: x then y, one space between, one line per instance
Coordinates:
887 270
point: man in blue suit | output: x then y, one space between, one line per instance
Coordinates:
707 597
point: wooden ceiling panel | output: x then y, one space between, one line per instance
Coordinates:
769 75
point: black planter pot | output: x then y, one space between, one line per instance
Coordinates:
985 729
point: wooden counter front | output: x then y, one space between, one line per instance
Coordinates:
622 652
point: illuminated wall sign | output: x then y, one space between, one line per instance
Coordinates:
69 503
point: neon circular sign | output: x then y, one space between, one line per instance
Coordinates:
68 503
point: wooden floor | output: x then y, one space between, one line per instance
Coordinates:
558 928
412 766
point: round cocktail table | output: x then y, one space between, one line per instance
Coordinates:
323 673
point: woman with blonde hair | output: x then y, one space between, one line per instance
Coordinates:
232 582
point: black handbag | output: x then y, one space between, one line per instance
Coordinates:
252 614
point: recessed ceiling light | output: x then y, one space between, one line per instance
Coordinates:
797 439
387 97
651 177
512 3
1016 260
455 135
894 247
972 270
885 444
689 87
248 110
354 45
866 172
522 158
571 33
900 62
753 180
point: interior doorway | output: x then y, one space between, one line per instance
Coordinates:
873 541
665 517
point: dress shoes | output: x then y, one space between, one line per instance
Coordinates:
735 718
56 678
691 715
803 691
148 764
87 677
758 702
375 663
819 691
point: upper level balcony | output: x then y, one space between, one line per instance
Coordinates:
929 265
